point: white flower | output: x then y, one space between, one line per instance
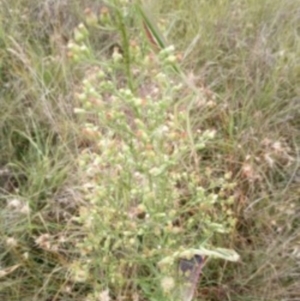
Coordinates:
167 284
14 204
11 242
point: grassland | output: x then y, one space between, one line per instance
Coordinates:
119 155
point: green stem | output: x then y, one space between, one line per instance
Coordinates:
125 48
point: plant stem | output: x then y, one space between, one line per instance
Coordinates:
125 47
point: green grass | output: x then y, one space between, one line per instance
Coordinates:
119 157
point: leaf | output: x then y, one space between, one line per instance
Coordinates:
5 272
222 253
152 31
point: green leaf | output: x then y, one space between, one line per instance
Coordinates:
222 253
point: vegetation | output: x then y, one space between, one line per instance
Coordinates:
134 136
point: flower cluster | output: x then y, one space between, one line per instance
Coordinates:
143 197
